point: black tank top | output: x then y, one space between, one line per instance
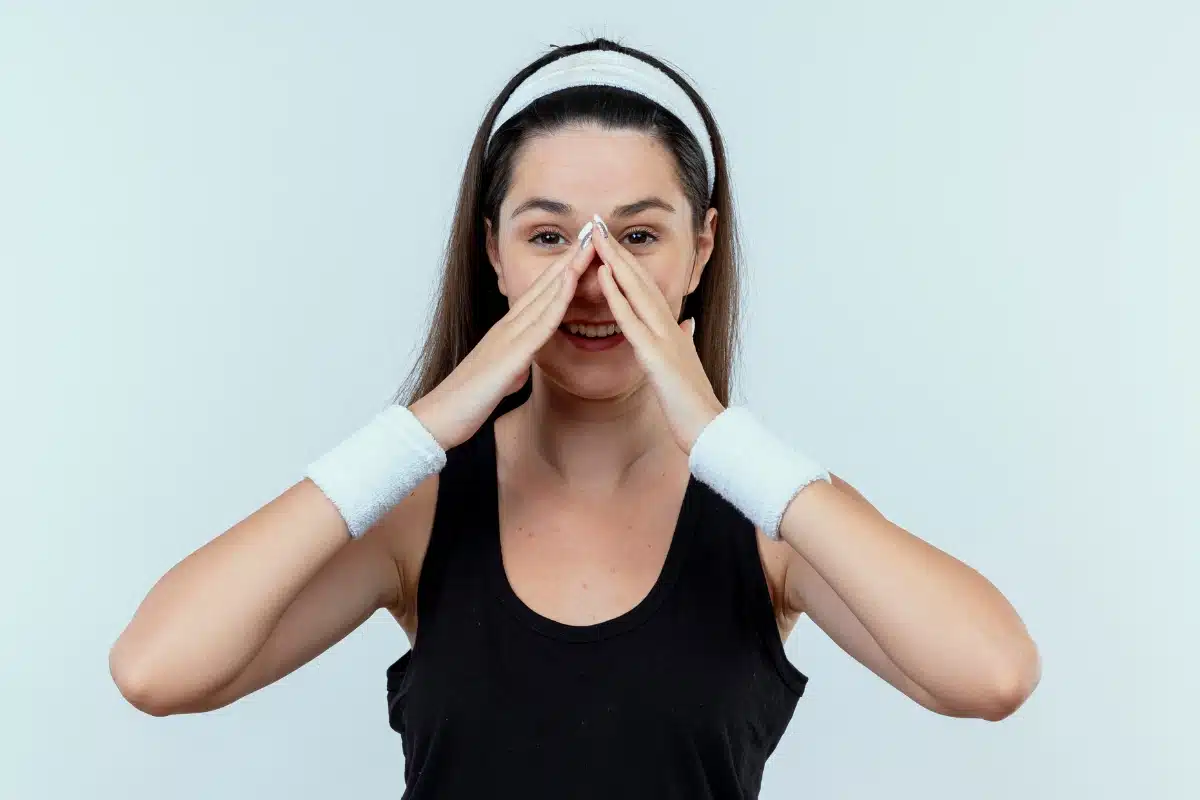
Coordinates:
683 696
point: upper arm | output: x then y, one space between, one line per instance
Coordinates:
807 592
362 577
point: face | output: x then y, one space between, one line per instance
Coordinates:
559 181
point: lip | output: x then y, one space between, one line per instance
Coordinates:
588 322
591 345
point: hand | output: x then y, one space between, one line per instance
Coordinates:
499 364
666 350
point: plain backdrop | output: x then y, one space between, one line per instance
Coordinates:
971 236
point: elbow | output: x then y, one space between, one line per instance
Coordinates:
139 683
1012 685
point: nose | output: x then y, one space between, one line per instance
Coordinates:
587 288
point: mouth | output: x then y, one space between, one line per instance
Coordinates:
590 330
592 337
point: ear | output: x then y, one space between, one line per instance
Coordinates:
704 247
493 254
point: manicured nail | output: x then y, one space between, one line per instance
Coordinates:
585 233
600 224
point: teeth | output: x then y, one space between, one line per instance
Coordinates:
594 331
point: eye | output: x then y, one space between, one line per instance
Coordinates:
547 238
644 237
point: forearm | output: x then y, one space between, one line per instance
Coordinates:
205 620
941 622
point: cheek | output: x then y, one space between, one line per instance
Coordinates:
520 270
670 274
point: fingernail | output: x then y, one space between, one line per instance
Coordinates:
600 224
585 233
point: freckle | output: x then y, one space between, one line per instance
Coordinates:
585 586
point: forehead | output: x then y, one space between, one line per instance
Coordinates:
594 166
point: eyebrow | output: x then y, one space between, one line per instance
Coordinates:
563 209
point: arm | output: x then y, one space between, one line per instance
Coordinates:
925 622
937 621
260 600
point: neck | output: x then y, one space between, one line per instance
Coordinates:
594 445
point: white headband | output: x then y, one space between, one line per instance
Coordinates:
611 68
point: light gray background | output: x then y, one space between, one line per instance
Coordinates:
220 224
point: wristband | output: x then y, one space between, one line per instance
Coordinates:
366 475
751 468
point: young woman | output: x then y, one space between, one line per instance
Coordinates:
595 558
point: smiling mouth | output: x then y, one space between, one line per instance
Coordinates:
591 331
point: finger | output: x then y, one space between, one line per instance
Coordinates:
577 257
688 326
634 294
536 308
546 313
551 315
634 329
638 287
640 271
542 318
540 285
609 248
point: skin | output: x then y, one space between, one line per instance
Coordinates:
592 443
591 472
597 171
925 622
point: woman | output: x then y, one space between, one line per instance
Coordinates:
603 558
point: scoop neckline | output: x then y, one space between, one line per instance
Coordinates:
552 628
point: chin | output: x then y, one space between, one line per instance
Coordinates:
609 380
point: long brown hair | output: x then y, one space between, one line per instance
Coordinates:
469 301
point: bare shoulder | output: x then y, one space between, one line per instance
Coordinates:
406 529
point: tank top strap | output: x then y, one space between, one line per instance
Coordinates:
687 695
725 521
459 523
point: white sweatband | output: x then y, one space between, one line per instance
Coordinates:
612 68
751 468
377 466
